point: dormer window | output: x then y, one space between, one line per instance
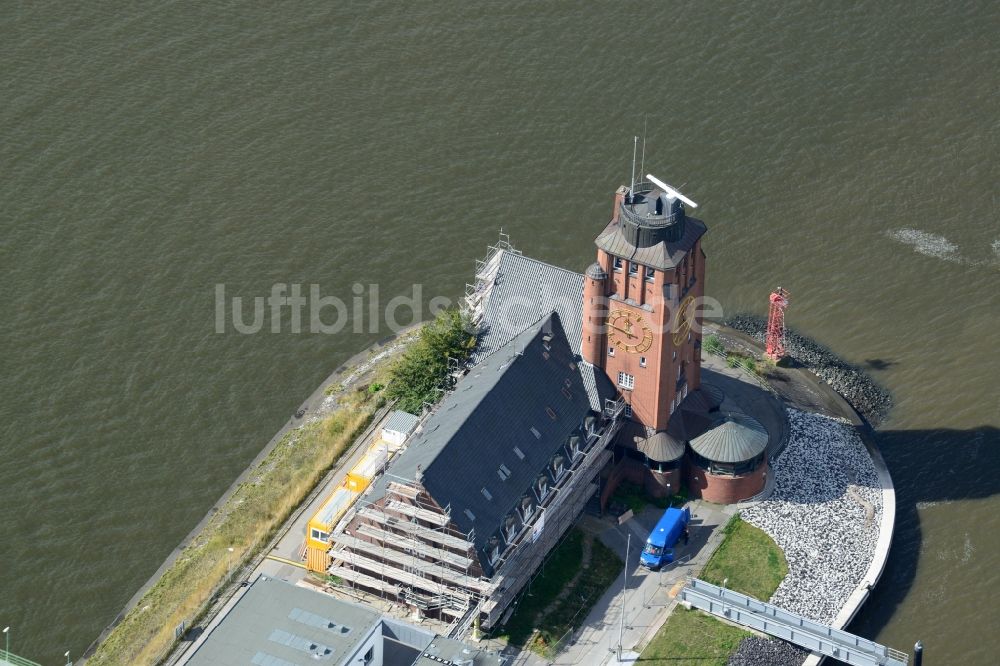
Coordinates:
573 446
541 488
557 467
510 526
527 508
493 549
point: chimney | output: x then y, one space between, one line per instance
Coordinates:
619 200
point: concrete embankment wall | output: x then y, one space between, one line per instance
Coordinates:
309 408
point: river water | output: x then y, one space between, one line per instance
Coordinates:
154 151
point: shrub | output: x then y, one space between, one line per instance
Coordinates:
713 345
423 371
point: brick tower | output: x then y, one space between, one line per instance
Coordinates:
639 301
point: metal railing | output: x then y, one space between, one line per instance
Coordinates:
769 619
11 659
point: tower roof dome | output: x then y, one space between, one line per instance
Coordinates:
596 272
661 447
733 438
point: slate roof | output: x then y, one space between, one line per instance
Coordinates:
733 438
501 404
665 255
525 290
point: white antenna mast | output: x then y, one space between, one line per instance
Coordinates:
635 143
642 161
670 191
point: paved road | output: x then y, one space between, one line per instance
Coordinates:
647 598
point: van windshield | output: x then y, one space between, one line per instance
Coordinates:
650 549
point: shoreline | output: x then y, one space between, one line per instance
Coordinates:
819 396
831 400
315 406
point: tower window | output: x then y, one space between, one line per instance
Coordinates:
618 264
642 361
626 381
633 268
628 410
650 274
611 350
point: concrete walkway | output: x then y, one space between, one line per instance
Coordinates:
647 597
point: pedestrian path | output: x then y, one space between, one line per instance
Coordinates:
646 594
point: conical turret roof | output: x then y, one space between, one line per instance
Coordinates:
733 438
661 447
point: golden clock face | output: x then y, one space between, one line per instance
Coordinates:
684 320
629 332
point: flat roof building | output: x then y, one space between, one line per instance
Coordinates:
275 623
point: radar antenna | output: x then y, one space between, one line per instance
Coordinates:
669 190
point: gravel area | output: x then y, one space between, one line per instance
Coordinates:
757 651
856 385
827 532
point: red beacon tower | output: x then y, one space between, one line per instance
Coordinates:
775 340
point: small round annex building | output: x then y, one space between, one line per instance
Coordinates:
728 462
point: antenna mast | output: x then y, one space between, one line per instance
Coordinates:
635 144
642 161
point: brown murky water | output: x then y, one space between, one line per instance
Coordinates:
149 153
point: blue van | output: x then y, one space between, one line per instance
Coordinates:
659 548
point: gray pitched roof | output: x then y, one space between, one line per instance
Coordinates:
733 438
401 421
525 290
502 404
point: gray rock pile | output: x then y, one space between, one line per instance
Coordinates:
852 382
824 513
757 651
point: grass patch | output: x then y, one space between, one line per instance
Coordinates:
691 638
749 558
572 609
244 523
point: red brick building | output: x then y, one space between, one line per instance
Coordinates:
640 324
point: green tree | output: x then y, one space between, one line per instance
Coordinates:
424 368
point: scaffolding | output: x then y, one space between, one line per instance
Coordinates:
404 546
478 293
